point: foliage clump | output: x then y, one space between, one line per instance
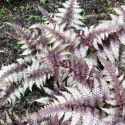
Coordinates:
87 63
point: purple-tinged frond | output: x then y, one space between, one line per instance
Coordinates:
15 35
34 44
78 68
114 43
48 91
113 120
30 121
109 54
44 100
115 114
93 118
76 96
109 67
57 34
121 36
45 14
101 53
67 109
83 50
105 89
10 96
122 57
9 121
69 15
17 28
114 82
111 70
14 68
113 102
19 121
115 26
120 11
92 71
27 76
97 93
55 121
31 42
56 56
86 93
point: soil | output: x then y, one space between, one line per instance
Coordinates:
18 12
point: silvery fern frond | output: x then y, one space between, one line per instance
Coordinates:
74 106
70 15
115 95
89 88
20 77
31 42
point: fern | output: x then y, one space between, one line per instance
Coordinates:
88 64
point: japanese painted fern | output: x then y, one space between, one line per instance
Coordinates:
87 62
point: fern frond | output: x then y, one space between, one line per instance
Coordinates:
74 105
46 15
122 57
115 96
89 88
18 81
58 35
31 42
115 47
9 120
69 15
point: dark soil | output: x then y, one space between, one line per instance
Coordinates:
18 12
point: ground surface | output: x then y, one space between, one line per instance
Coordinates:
26 13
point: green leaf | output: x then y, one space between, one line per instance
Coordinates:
2 11
27 90
43 19
57 2
84 20
15 8
112 10
43 4
101 105
109 2
27 6
28 97
83 12
91 52
22 8
32 16
17 46
51 82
